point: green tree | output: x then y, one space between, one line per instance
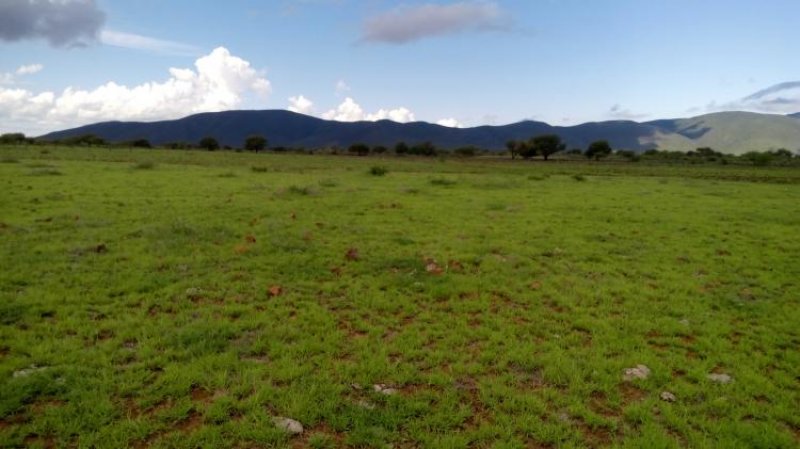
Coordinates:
12 138
359 149
598 149
401 148
255 143
141 143
547 145
209 143
513 147
379 149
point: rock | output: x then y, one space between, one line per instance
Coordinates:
639 372
667 396
356 386
288 424
25 372
193 292
383 389
366 405
720 378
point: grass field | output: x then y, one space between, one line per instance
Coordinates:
187 299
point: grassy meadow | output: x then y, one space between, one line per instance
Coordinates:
179 299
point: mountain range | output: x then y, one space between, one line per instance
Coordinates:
728 132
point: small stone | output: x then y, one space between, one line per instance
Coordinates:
25 372
720 378
667 396
366 405
684 321
356 386
288 424
193 292
639 372
383 389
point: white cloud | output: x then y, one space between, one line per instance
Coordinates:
29 69
220 81
409 23
350 111
450 123
139 42
342 87
301 105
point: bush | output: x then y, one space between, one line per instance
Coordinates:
144 165
579 178
378 170
442 182
257 169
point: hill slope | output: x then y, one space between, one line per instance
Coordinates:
732 132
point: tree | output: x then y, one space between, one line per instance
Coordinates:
255 143
401 148
141 143
379 149
598 149
11 138
359 148
209 143
513 148
423 149
547 145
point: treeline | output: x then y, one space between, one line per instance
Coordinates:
542 147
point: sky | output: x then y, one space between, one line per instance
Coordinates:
65 63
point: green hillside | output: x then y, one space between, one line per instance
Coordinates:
731 132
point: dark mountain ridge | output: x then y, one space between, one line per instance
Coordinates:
288 129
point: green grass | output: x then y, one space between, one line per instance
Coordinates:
187 305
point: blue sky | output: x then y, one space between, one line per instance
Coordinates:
464 63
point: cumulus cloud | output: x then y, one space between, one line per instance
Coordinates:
409 23
779 99
139 42
219 81
63 23
450 123
350 111
301 105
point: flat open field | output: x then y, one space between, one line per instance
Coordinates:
186 299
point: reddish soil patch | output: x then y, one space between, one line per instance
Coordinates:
598 404
47 442
596 436
319 429
631 393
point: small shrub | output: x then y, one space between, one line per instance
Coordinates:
328 183
378 171
144 165
442 182
258 169
46 172
44 152
9 160
537 177
297 190
579 178
227 174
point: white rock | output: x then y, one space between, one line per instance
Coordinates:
288 424
667 396
383 389
720 378
25 372
639 372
